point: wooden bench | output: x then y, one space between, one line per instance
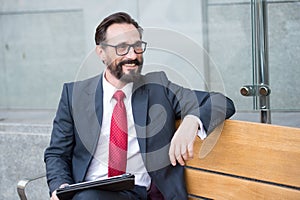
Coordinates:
248 161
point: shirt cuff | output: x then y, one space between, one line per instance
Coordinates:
201 132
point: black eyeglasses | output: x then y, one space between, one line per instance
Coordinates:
123 49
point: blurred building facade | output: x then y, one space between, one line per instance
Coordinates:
45 43
203 44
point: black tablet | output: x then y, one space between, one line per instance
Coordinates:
116 183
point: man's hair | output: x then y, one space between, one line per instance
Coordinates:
116 18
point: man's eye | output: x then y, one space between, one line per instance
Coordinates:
122 46
138 44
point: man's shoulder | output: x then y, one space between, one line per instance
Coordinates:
92 81
155 74
150 79
155 77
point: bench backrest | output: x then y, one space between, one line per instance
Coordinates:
249 161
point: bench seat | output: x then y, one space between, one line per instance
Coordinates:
240 160
249 161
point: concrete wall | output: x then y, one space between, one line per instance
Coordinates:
43 44
229 28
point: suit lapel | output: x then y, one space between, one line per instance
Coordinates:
92 107
99 101
88 107
140 113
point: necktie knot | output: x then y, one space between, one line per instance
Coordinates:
119 95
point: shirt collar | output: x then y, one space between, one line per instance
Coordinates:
109 89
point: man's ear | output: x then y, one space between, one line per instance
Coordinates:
101 53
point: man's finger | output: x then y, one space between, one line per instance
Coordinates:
191 150
184 152
180 160
185 156
172 155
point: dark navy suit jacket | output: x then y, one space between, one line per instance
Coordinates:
156 104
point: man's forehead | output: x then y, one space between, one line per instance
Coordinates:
119 33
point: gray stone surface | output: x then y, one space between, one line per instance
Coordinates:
35 62
230 49
291 119
21 157
24 135
284 48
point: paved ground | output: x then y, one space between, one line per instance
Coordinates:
46 116
283 118
27 116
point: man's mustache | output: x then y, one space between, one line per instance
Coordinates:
135 61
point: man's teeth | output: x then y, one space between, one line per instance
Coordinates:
130 65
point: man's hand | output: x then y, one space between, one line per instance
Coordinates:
181 148
53 196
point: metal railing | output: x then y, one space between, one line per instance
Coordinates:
260 89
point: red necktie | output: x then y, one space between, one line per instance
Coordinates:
118 138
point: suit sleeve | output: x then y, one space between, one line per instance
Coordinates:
211 107
58 155
214 109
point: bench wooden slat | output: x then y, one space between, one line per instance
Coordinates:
254 150
214 186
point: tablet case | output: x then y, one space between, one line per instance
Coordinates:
116 183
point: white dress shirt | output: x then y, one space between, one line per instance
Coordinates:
135 165
99 166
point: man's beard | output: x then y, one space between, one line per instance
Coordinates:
133 74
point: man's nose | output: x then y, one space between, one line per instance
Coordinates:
131 54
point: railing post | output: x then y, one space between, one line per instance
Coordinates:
261 57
